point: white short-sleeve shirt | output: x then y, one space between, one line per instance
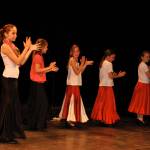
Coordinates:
142 69
105 69
11 69
72 78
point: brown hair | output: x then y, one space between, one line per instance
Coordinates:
72 49
5 29
143 53
107 52
42 43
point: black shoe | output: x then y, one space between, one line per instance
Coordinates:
95 123
31 129
140 123
64 125
21 137
8 141
42 130
108 125
80 126
69 125
13 142
147 124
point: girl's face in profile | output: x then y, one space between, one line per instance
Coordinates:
44 49
146 57
12 34
111 58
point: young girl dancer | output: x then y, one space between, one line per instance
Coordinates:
140 102
72 109
38 102
105 108
10 109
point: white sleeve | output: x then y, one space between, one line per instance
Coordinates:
145 68
109 67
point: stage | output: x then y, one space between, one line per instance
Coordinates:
125 136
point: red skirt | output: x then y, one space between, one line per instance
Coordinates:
105 107
140 102
73 108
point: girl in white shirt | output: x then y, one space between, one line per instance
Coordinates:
10 108
104 109
72 110
140 102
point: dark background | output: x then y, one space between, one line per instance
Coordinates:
94 29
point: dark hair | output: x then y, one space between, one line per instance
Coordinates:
5 29
107 52
144 52
72 49
42 43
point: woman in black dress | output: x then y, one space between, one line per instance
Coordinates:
38 101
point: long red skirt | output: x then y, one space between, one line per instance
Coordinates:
140 102
105 107
73 108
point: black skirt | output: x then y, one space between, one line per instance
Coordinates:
37 107
10 111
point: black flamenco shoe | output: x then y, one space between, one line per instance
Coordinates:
31 129
70 125
99 123
108 125
140 123
80 126
65 125
13 142
21 137
43 129
9 141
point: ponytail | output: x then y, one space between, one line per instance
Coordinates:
107 52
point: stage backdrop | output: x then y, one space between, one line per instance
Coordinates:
93 37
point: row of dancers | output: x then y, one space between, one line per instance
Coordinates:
72 111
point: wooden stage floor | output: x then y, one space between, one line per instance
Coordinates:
126 136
